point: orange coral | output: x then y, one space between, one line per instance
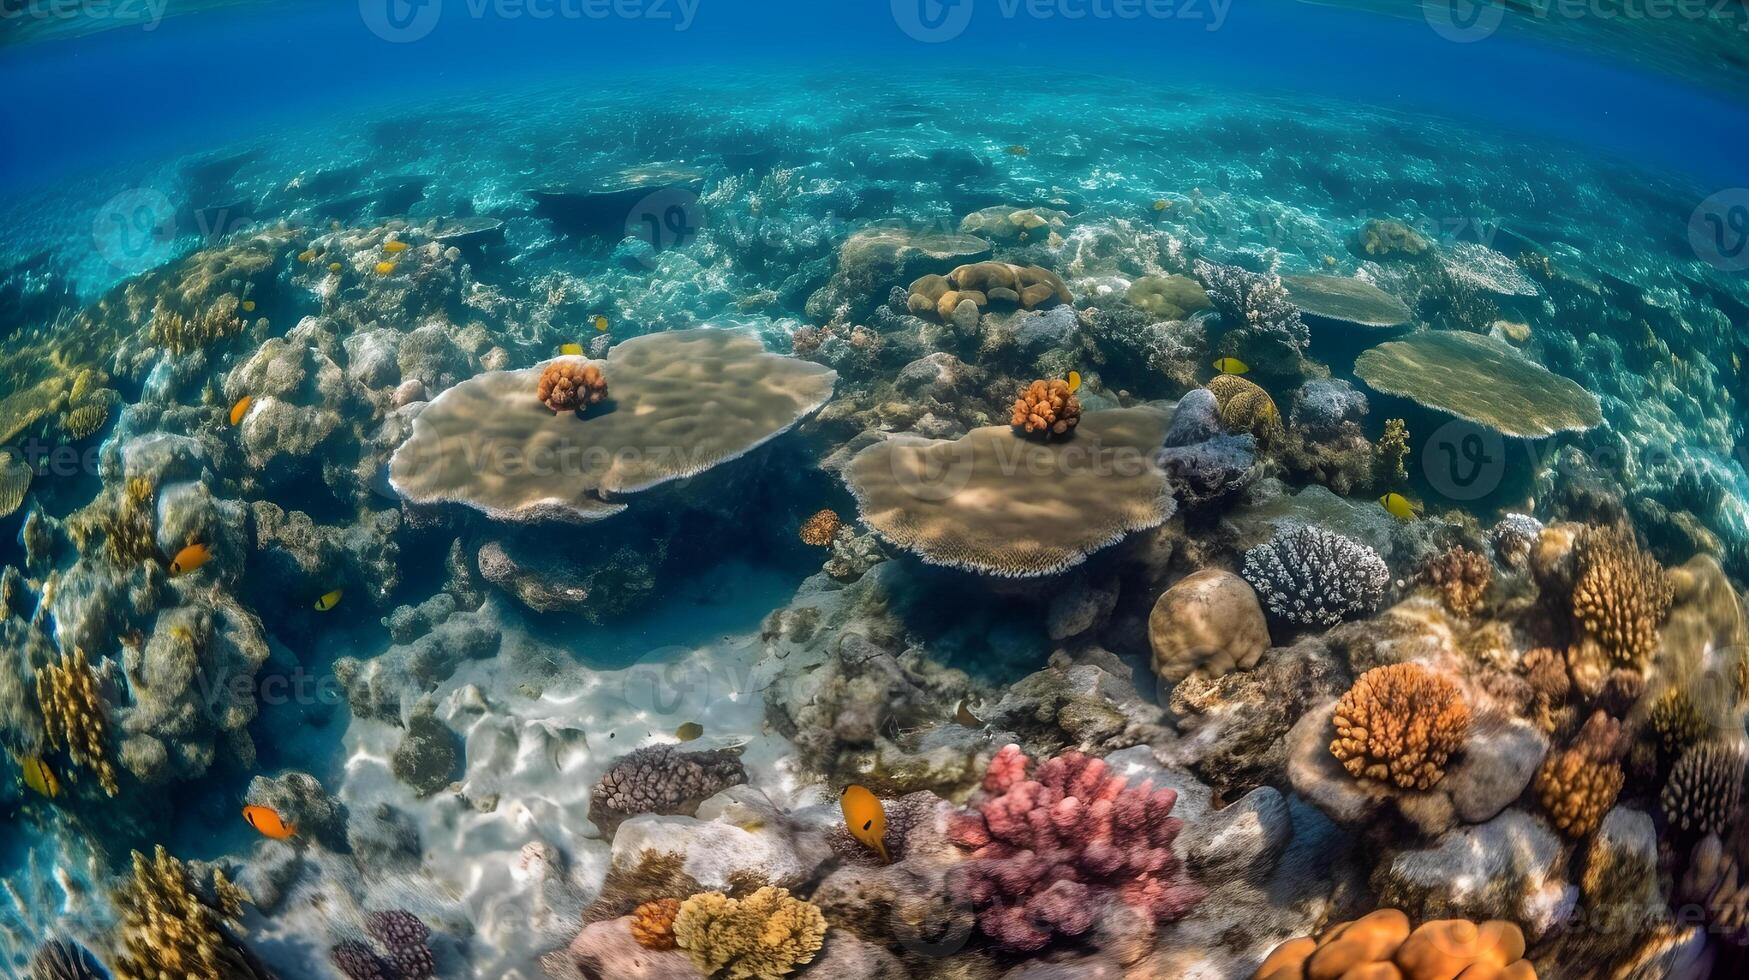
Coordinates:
569 385
1047 407
820 529
1622 595
1461 576
1398 724
653 923
1579 784
1381 945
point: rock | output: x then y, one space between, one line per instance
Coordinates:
1320 406
1209 622
1196 419
272 867
846 957
1082 606
551 580
1498 760
427 759
965 317
301 803
1243 840
737 835
373 357
1508 868
937 376
607 949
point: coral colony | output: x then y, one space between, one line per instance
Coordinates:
1043 586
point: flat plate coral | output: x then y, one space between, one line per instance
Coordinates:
1350 301
1481 379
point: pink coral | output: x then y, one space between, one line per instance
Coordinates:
1051 852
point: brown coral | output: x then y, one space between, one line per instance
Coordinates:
1676 721
169 928
1398 724
1579 784
85 420
764 936
76 715
1381 946
567 385
1705 788
819 530
129 527
653 923
180 334
986 284
1245 407
1390 462
1621 596
1461 577
1047 407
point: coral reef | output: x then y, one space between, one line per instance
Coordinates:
1253 302
1621 595
985 284
15 477
1481 380
1167 297
1460 576
819 529
1390 467
1381 944
1398 724
63 959
1512 537
1705 788
661 779
653 923
1244 407
570 385
1579 784
76 715
1046 409
1312 576
175 925
764 936
1209 622
1387 238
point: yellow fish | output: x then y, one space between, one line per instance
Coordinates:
1162 204
600 324
307 255
189 559
248 306
241 408
1074 381
333 267
1231 365
39 777
328 601
866 819
690 731
571 350
393 247
1398 506
385 268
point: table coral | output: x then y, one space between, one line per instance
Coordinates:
1381 946
76 715
1482 380
169 928
764 936
1046 408
1049 854
1398 724
570 384
661 779
1621 595
1311 576
1460 576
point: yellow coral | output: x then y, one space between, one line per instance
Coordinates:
1390 460
1398 724
15 477
1622 595
820 529
761 937
1677 722
1244 406
129 535
179 334
168 929
76 715
85 420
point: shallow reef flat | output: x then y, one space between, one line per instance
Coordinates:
891 528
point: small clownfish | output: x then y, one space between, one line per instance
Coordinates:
248 306
600 324
1398 506
1162 204
268 823
571 350
1231 365
40 778
189 559
328 601
1074 381
866 819
393 247
241 409
691 731
385 268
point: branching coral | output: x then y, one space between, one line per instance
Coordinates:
1579 784
63 959
1381 946
1705 788
1050 853
1398 724
820 529
1309 575
570 384
180 334
653 923
170 929
127 521
76 715
1046 408
764 936
1461 577
1621 596
1391 455
1245 407
1258 302
661 779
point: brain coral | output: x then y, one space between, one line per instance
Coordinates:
764 936
684 401
1209 621
1486 381
999 505
1309 575
1381 946
1705 788
661 779
571 383
1621 596
1244 406
1398 724
1047 408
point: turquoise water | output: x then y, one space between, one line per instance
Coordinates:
258 257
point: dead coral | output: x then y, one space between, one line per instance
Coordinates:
1398 724
1049 408
570 385
170 929
1621 596
1461 577
653 923
76 715
819 530
1245 407
764 936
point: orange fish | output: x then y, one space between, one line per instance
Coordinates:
268 823
189 559
241 408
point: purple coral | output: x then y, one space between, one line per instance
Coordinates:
359 962
397 928
1050 853
403 935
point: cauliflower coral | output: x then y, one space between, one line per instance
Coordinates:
1398 724
761 937
569 384
1046 407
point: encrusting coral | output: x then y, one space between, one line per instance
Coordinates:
1050 853
1579 784
819 530
1311 576
764 936
1621 595
1381 946
169 928
570 384
653 923
1046 408
1245 407
76 715
1398 724
1705 788
661 779
1461 577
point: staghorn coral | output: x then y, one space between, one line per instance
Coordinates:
1579 784
764 936
653 923
1050 853
1705 788
1244 407
661 779
1513 537
571 384
15 477
1312 576
1381 946
1046 408
76 715
169 928
1621 595
1461 577
1398 724
819 530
